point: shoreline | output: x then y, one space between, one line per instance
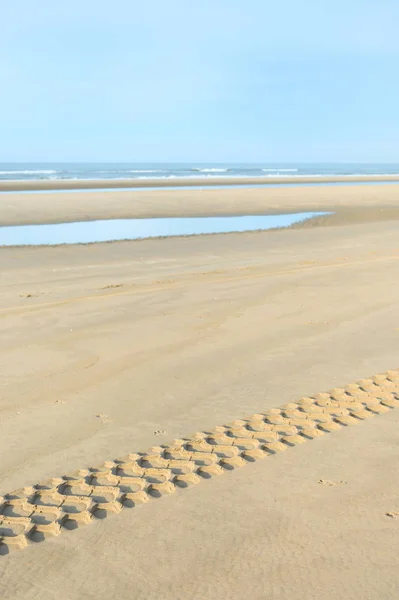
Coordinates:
90 184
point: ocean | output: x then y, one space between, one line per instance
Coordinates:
135 171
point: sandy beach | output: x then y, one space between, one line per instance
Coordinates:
107 350
351 204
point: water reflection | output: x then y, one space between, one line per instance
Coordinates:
131 229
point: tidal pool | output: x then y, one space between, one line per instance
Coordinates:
85 232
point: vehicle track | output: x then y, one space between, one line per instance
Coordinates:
44 510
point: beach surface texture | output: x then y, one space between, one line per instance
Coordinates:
207 416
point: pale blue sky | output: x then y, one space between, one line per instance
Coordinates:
199 80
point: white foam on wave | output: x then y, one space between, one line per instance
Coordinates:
133 171
35 172
193 176
147 171
280 170
211 170
159 177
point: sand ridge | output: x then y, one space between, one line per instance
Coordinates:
36 513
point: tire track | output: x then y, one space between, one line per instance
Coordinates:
42 511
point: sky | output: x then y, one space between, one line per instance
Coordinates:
199 80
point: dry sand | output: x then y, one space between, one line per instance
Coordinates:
353 204
110 349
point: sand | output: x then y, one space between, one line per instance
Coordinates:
73 184
352 204
37 513
110 349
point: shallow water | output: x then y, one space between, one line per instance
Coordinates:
132 229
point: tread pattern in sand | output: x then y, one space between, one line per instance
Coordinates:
36 513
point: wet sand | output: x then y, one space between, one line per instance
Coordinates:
65 184
109 349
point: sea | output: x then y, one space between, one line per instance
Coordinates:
137 171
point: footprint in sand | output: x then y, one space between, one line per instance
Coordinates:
331 483
159 432
112 286
35 295
103 418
